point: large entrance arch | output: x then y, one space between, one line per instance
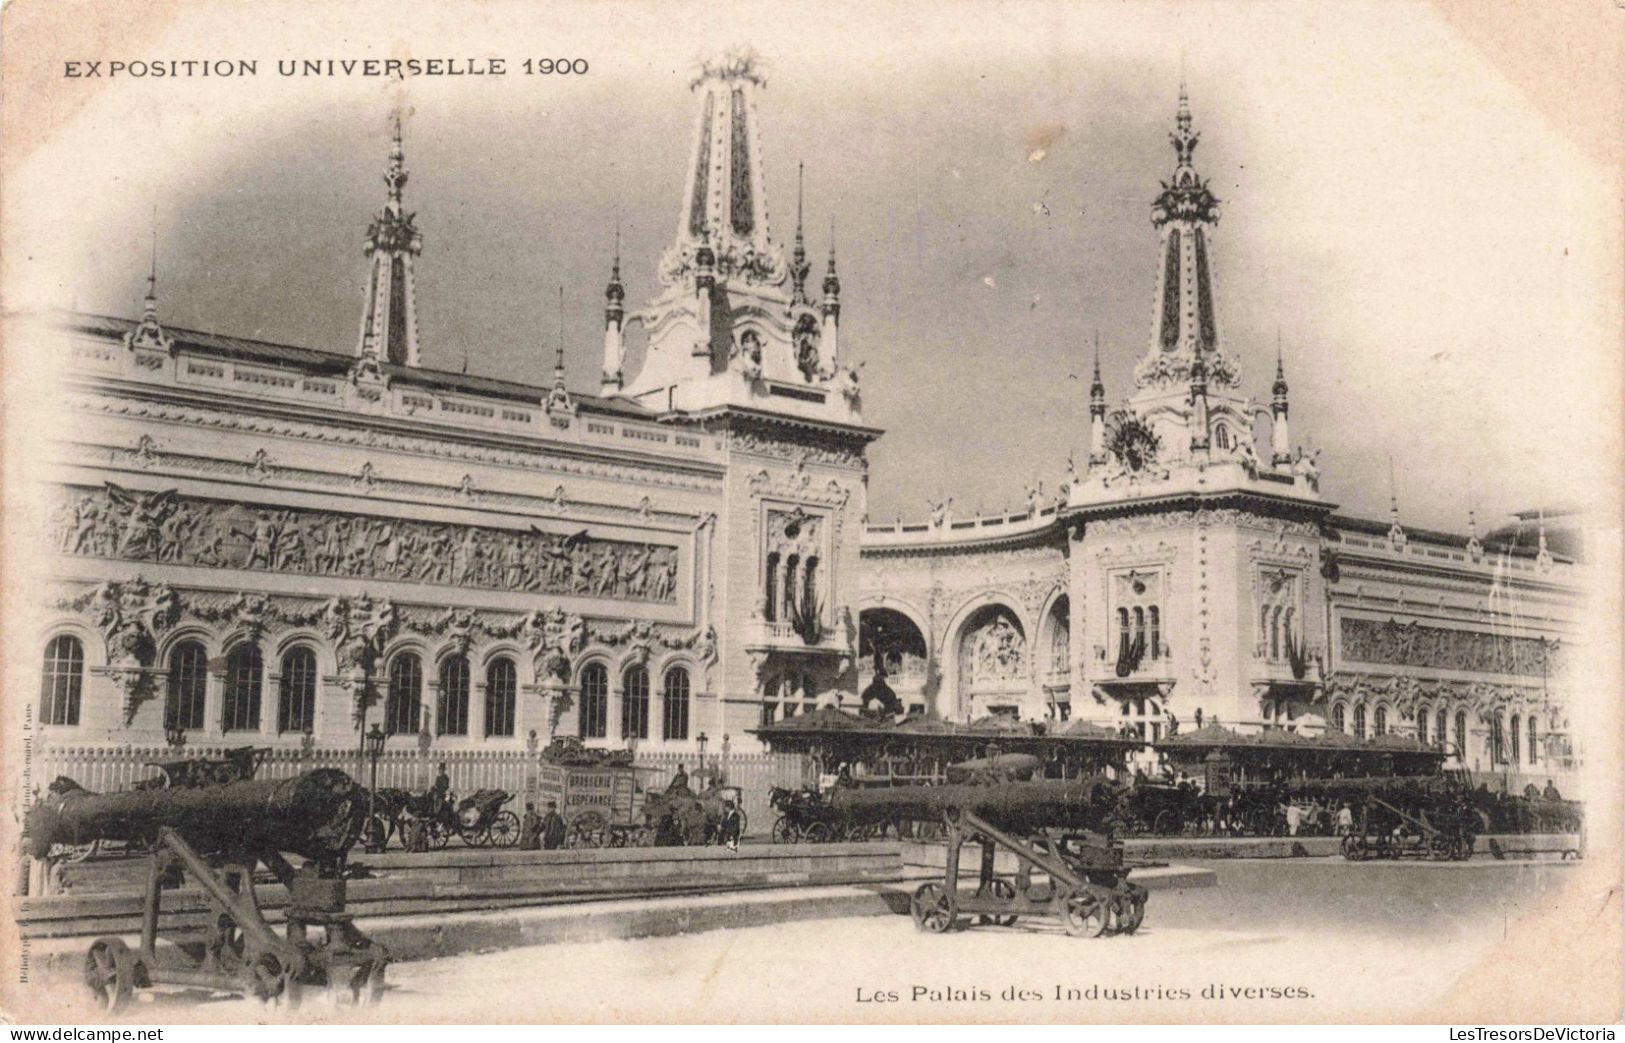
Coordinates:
992 664
891 644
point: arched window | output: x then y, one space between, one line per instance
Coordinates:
501 687
1422 727
594 701
809 584
635 703
1286 632
674 717
245 673
296 693
791 564
1275 633
1461 734
451 713
1122 627
1156 633
1359 722
771 602
403 709
1516 735
1440 737
1497 740
61 681
1139 624
1338 719
1221 436
1533 756
188 686
1379 722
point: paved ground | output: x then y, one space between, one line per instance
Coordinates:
1324 940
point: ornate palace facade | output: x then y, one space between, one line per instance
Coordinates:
261 543
1191 572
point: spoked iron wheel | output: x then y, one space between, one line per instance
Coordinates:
931 909
110 973
1085 915
816 833
783 832
1004 891
504 831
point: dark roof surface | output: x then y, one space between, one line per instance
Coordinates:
327 363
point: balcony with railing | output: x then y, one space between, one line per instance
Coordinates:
781 635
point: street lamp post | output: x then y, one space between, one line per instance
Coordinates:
374 740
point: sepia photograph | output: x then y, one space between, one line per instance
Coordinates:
816 513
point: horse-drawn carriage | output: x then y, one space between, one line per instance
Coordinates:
1403 817
427 821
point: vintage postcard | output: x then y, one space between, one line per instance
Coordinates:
897 512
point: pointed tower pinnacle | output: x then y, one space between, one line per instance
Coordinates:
614 323
558 398
1280 437
1396 534
799 266
832 282
725 201
148 333
1543 556
389 326
1097 412
1185 323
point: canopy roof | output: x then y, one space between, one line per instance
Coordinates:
1215 737
828 722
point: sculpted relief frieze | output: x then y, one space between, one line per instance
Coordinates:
166 527
1392 643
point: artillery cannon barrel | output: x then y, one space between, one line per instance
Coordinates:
317 815
1016 806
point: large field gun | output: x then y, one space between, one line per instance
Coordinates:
217 836
1062 831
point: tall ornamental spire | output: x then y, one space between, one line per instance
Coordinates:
389 325
1185 323
800 268
148 333
725 201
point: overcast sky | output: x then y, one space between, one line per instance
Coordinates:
1432 252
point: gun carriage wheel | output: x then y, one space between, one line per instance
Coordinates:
1085 914
110 973
1001 890
931 908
